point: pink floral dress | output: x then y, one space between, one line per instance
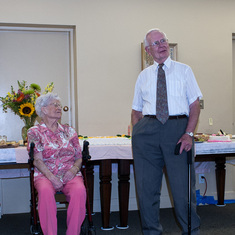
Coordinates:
59 149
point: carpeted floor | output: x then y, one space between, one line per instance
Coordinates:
214 221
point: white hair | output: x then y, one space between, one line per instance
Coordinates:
43 101
146 43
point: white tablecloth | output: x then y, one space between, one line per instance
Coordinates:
114 148
215 147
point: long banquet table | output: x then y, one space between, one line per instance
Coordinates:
105 151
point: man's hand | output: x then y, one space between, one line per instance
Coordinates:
135 116
186 143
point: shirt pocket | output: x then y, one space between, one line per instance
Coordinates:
175 88
149 92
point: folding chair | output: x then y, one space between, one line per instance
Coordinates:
35 228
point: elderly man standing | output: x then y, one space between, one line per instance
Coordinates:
165 112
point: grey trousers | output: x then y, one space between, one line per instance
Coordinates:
153 146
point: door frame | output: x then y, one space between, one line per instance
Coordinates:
71 30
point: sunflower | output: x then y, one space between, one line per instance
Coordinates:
26 109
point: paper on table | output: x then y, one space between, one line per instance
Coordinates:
7 155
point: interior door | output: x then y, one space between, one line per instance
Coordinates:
37 55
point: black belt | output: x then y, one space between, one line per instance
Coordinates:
170 117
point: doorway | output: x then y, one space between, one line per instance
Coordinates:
37 54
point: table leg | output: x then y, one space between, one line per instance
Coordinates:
105 192
220 179
123 192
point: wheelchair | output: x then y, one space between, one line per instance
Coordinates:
87 227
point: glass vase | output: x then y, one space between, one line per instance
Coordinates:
24 133
29 122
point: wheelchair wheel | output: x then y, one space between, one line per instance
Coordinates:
36 230
83 229
91 231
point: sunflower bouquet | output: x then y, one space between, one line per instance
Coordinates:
22 102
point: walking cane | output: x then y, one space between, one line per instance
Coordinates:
189 161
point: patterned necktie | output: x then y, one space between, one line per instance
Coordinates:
161 105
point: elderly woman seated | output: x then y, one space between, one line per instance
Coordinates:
57 161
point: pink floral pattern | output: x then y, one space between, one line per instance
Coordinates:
59 149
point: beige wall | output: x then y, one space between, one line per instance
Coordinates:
108 35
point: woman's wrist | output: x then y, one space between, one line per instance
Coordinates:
77 168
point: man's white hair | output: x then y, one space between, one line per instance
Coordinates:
146 43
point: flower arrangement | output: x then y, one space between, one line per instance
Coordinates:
23 101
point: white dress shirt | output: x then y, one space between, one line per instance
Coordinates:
182 88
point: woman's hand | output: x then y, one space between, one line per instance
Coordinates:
70 174
57 184
38 162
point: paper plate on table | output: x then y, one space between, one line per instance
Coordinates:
9 145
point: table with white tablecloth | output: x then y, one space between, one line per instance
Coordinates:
105 151
115 148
